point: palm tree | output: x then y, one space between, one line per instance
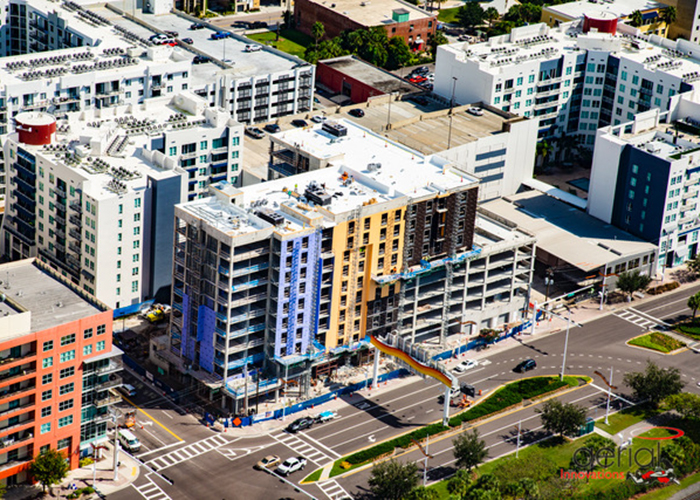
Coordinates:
543 150
492 15
636 19
694 303
317 32
669 15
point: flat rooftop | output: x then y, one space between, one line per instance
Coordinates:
369 74
374 12
50 301
540 42
618 8
567 232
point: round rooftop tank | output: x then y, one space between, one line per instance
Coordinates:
35 129
603 22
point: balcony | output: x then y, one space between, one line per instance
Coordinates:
248 284
15 463
247 270
12 376
113 382
5 393
244 346
10 359
112 366
111 399
249 254
9 411
224 270
15 440
16 427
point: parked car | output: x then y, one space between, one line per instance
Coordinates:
254 132
218 35
241 24
200 60
258 25
128 390
464 38
465 365
422 70
267 462
188 41
475 111
251 47
157 36
455 397
300 123
171 34
525 366
300 424
417 79
272 128
318 118
197 26
291 465
356 112
326 416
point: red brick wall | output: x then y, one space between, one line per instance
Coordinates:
306 13
333 79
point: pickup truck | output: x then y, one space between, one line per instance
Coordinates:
291 465
326 416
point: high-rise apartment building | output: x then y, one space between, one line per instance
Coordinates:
59 368
300 269
572 80
93 195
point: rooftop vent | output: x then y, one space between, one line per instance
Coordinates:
270 216
334 128
317 193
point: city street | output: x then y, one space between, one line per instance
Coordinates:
223 465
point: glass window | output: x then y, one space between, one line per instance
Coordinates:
68 339
203 144
101 345
47 378
87 349
520 81
45 427
67 356
63 443
48 345
46 395
45 412
66 389
635 79
531 79
67 372
623 75
62 422
88 333
47 362
65 405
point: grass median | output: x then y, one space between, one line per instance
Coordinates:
657 341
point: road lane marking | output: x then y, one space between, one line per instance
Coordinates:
318 443
178 443
149 416
153 436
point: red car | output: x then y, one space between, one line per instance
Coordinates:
417 79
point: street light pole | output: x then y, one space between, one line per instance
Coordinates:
602 291
425 467
452 103
566 343
607 406
534 318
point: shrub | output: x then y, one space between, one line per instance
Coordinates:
666 287
84 462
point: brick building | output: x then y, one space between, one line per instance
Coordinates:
57 368
397 17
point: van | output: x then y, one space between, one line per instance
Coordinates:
129 441
129 390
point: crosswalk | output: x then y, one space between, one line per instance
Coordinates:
641 319
302 448
333 490
151 491
188 452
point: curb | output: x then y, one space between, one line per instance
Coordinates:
649 349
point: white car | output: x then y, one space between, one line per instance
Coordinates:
318 118
252 48
475 111
465 365
291 465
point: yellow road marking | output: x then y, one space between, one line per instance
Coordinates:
149 416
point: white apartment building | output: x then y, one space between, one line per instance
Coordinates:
572 82
646 177
100 191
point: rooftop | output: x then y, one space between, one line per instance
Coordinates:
567 232
539 42
50 302
369 74
373 12
618 8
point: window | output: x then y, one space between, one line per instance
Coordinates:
46 395
531 79
101 345
66 389
137 217
635 79
68 339
235 141
63 443
203 144
48 345
519 81
623 75
172 151
88 332
47 378
67 372
62 422
137 231
137 203
45 412
45 427
67 356
65 405
47 362
87 349
134 271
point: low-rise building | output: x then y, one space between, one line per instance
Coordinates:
59 368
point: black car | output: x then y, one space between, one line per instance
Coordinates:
423 70
300 424
299 123
197 26
273 128
172 34
241 24
200 60
357 113
254 132
258 25
188 41
525 366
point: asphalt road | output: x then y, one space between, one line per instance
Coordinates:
223 466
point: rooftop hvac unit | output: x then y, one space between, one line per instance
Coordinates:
334 128
270 216
317 194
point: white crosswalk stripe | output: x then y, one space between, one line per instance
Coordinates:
302 448
150 490
188 452
636 319
333 490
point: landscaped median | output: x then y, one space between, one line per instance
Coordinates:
657 341
507 397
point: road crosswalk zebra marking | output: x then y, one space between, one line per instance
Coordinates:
645 322
188 452
150 490
302 448
333 490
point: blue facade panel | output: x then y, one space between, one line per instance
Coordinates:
206 323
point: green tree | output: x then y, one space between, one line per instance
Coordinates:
318 30
287 19
669 15
491 15
655 383
398 53
636 19
694 264
423 493
393 480
561 418
49 468
459 484
529 489
694 303
685 403
471 14
631 281
469 450
543 150
435 40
